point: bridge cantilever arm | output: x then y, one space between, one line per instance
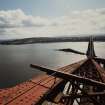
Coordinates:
67 76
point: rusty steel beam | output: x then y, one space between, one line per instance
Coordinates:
56 88
101 60
100 70
68 76
90 51
51 93
95 101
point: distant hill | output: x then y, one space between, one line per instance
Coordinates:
50 40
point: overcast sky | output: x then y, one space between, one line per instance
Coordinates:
33 18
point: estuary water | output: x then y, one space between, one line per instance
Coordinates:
15 60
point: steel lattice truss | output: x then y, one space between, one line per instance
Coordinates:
80 83
83 84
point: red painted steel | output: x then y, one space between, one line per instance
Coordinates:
30 92
26 93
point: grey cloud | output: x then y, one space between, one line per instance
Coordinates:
87 21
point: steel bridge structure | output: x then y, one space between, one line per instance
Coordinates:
80 83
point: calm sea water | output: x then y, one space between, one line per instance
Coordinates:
15 59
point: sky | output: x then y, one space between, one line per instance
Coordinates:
50 18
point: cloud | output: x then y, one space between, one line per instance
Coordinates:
17 24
